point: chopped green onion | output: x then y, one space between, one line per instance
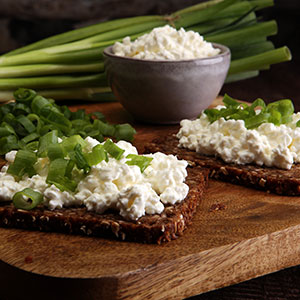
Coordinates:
6 129
27 199
255 121
29 138
99 116
230 102
10 119
80 159
113 149
46 140
139 160
33 116
57 175
38 103
21 109
51 116
104 128
26 123
23 164
8 143
31 146
69 169
278 112
124 132
55 151
96 156
24 95
69 143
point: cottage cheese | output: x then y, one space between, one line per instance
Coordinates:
268 145
112 184
166 43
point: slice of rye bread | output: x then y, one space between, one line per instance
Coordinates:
156 228
279 181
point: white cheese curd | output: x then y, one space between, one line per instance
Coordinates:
111 184
166 43
268 145
10 156
55 198
137 199
91 143
8 185
166 175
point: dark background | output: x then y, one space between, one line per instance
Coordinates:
25 21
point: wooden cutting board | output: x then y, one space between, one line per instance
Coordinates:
237 234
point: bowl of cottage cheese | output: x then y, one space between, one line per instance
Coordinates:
166 75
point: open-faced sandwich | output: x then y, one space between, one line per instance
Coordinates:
92 186
99 189
255 145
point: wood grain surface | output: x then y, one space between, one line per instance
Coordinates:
237 234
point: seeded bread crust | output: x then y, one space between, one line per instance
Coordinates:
279 181
165 227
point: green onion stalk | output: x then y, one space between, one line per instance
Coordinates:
70 65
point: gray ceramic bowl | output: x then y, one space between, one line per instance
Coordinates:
165 92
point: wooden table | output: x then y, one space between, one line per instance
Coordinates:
237 234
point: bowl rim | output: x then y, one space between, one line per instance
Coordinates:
225 51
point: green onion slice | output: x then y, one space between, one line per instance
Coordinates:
26 123
80 159
59 175
51 116
46 140
21 108
96 156
23 164
141 161
55 151
32 146
124 132
27 199
113 149
69 143
39 103
104 128
24 95
29 138
8 143
99 115
6 129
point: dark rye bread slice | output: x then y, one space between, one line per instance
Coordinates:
279 181
148 229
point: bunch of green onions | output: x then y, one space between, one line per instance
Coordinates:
70 65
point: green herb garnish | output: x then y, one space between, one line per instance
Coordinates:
139 160
67 163
279 112
111 148
32 117
96 156
23 164
27 199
